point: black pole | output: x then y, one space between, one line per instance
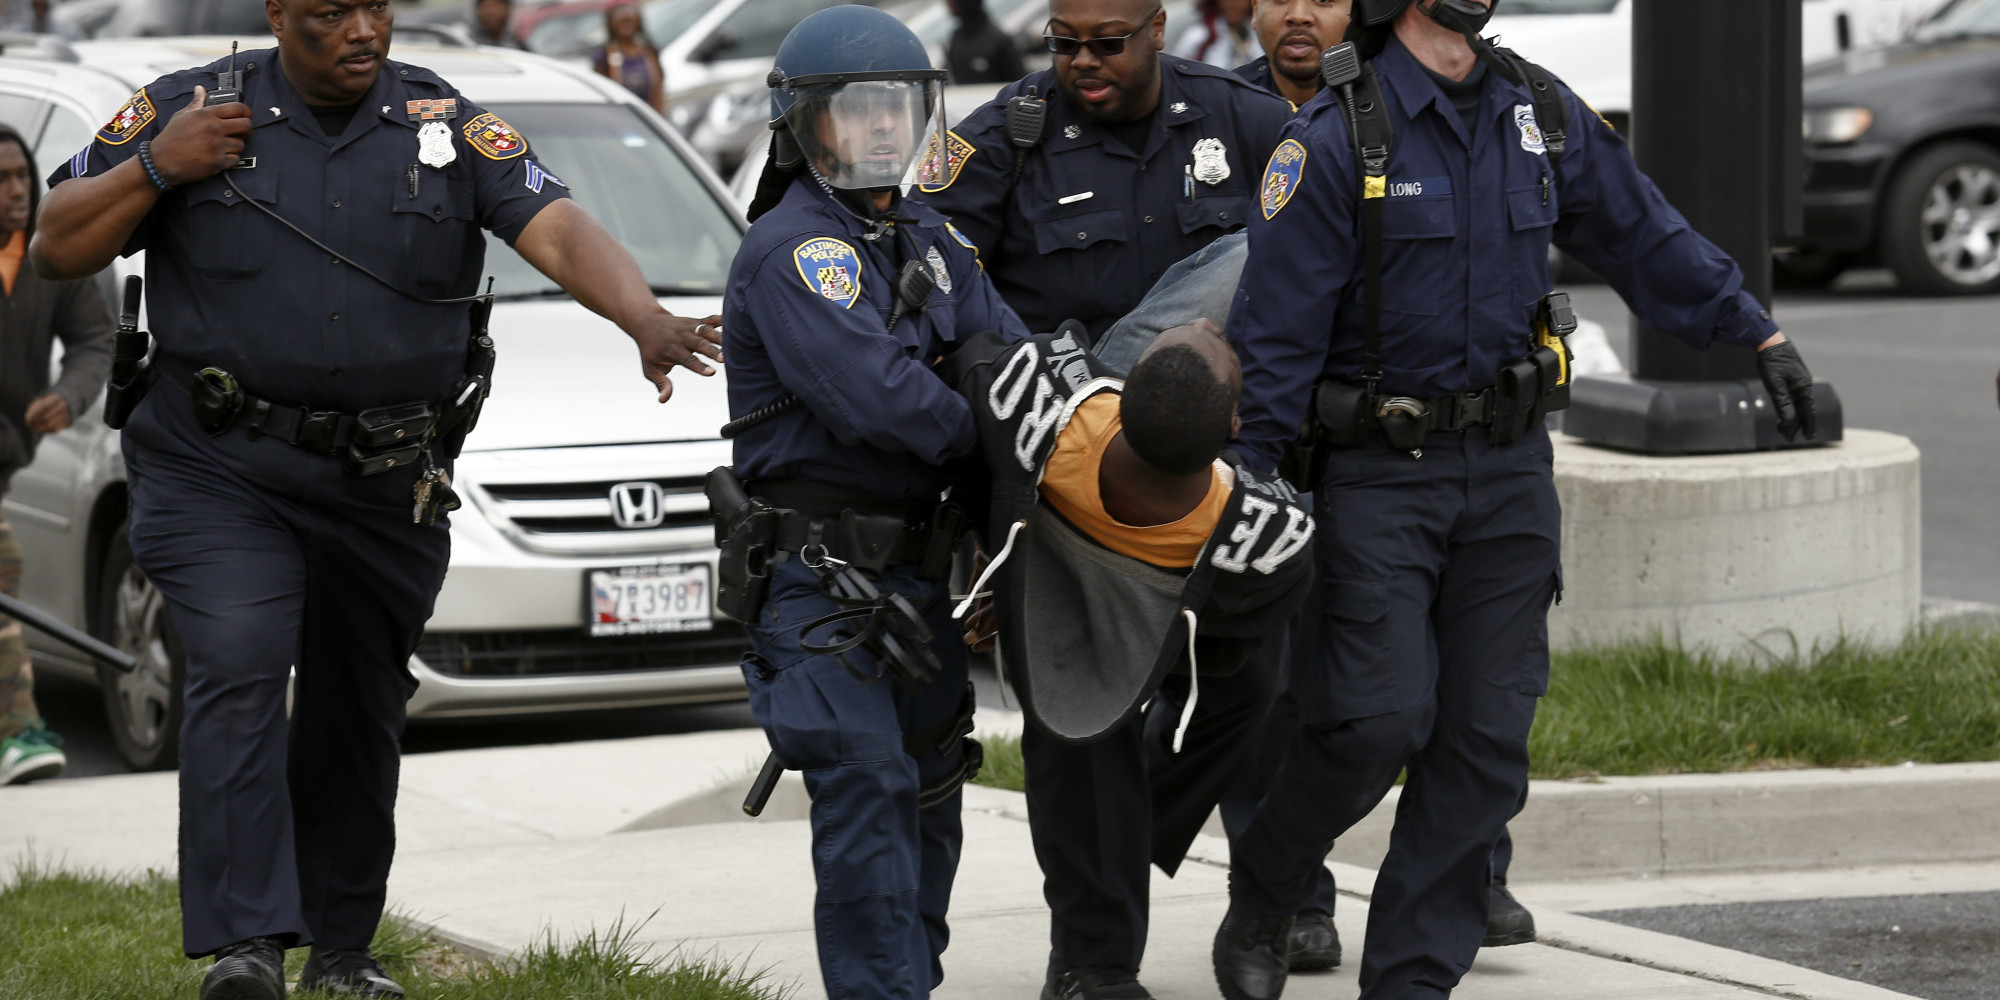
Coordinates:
1716 123
14 608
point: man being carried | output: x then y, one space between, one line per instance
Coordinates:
1121 527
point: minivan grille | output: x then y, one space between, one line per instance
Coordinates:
542 652
575 518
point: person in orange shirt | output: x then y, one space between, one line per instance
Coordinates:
1122 527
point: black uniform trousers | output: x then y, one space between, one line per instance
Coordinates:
1101 812
270 560
1438 573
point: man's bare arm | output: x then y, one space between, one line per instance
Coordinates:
86 221
564 242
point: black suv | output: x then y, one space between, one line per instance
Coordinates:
1903 158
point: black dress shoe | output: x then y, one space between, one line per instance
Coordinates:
1314 945
1093 984
1249 956
1507 921
346 974
247 970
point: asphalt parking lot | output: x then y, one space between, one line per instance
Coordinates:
1943 947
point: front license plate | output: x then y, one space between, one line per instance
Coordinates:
642 600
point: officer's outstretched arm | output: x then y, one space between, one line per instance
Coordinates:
87 221
564 242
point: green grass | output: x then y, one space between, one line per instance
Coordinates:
69 936
1003 767
1652 708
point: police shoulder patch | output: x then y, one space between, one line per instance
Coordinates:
831 269
942 161
129 121
493 138
1281 178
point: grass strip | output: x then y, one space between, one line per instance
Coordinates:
1655 708
83 936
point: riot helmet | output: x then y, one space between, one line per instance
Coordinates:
854 97
1467 17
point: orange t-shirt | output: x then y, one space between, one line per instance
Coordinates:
10 259
1069 481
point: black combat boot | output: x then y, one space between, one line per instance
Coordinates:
253 969
1092 984
1249 956
346 974
1507 921
1314 944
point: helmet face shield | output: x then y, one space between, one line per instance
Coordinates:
867 134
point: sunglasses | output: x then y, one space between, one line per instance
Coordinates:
1064 45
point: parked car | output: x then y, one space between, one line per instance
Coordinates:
571 30
1903 157
537 611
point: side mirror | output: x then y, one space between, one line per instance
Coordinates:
713 47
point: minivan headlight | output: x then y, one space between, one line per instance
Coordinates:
1830 126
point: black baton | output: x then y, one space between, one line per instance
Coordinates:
13 607
761 789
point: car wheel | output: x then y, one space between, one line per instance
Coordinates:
1941 227
143 707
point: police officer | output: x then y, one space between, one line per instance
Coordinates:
841 299
1293 34
1081 185
275 519
1437 553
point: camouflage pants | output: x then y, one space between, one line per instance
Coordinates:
17 678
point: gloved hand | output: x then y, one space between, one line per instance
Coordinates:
1791 388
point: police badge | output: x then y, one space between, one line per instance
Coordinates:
1211 162
434 145
939 270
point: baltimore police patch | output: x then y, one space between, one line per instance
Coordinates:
960 237
942 162
831 269
129 121
1281 178
493 138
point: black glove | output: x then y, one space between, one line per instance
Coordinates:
1791 387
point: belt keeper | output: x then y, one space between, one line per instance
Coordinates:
260 411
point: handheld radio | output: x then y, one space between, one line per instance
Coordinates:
229 84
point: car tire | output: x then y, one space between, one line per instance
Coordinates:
143 708
1941 221
1808 270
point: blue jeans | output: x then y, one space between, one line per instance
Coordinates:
884 868
1203 285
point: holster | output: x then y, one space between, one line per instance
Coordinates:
1343 412
131 377
746 531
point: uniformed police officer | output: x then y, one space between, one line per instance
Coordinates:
1293 34
1135 162
840 301
1438 556
275 519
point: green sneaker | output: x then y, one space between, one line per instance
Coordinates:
31 754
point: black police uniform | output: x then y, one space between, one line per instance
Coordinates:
270 556
1083 232
1089 225
1438 565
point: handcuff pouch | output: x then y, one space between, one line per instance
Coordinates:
1343 413
218 400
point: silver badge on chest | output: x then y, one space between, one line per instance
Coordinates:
1211 162
939 270
434 147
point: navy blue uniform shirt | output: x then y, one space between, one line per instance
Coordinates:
1466 232
1092 224
1258 72
230 287
807 314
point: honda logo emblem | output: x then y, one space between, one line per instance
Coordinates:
638 505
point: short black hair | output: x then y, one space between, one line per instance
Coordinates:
9 134
1178 414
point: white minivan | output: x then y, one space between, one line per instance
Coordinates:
582 566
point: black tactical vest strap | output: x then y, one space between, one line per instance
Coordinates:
1368 115
1551 112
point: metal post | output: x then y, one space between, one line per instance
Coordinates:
1716 123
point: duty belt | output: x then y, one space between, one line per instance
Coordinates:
369 442
874 532
1455 412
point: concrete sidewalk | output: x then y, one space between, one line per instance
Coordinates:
500 847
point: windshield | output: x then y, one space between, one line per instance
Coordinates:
570 35
1555 7
1960 19
626 175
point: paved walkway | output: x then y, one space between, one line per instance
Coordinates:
502 846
